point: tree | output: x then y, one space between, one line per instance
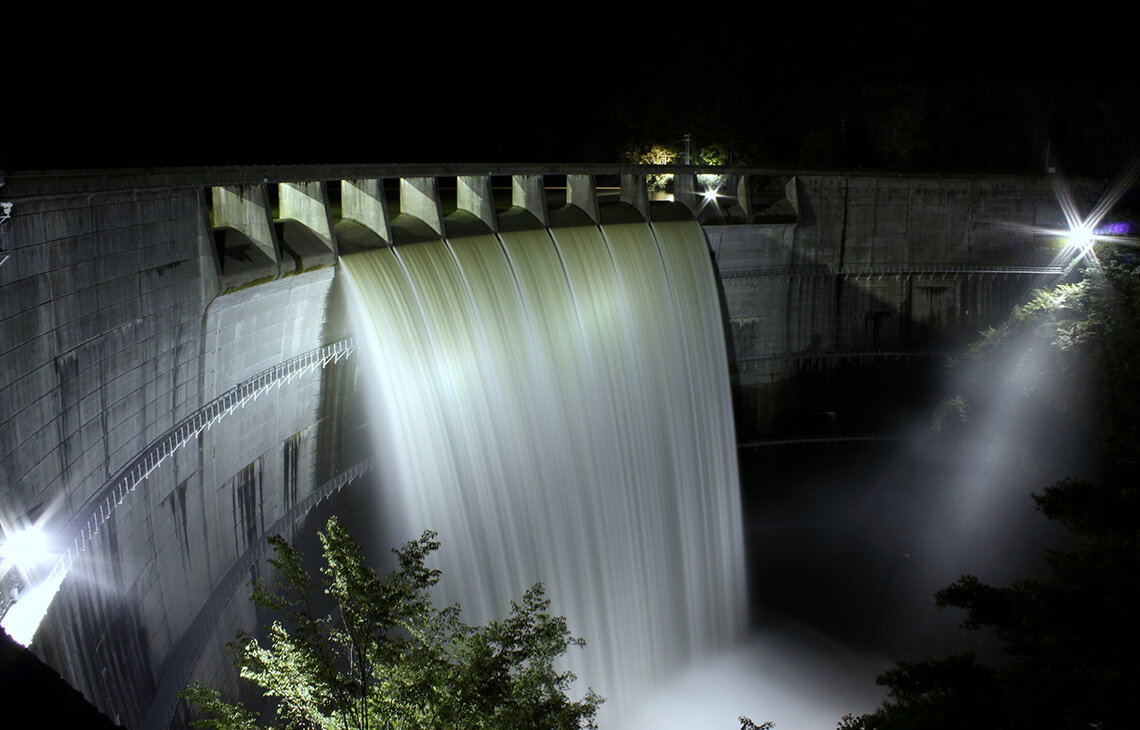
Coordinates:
1089 334
386 657
1070 640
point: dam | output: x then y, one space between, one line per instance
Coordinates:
180 378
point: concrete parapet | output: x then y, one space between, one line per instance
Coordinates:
528 193
363 201
245 209
581 192
736 187
635 192
248 250
792 195
685 191
304 225
419 197
473 194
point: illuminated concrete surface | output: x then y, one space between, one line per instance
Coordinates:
128 300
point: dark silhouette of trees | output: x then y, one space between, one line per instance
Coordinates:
1070 640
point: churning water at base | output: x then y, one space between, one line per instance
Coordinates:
555 404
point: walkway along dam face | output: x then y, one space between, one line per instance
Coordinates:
178 376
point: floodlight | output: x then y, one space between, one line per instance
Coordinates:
24 548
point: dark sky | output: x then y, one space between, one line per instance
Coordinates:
961 89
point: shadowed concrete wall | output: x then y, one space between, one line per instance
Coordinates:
113 329
875 269
113 333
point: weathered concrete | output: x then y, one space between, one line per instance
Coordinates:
582 193
113 328
304 224
684 191
635 192
419 197
363 202
527 193
247 241
474 196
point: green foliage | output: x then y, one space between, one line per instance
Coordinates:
1085 335
387 658
1071 641
655 154
716 154
944 694
658 154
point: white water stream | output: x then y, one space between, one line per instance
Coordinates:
556 406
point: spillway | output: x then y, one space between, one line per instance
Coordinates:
555 404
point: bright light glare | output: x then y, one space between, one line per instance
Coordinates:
1082 233
24 549
25 615
27 549
710 195
1082 238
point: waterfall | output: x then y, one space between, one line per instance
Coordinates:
555 404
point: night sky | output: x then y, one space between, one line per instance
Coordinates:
969 90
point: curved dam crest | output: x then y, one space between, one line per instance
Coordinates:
556 406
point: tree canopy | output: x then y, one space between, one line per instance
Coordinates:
1070 641
387 658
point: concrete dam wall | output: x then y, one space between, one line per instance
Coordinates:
169 376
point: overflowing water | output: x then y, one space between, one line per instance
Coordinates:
555 404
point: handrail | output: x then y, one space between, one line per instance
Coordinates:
893 270
843 355
82 528
838 438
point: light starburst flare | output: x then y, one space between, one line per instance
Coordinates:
711 195
1082 233
27 549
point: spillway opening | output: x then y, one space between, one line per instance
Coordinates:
555 404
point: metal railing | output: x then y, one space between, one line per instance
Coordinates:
837 438
842 355
892 270
85 525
